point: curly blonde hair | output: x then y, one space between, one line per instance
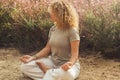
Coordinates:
66 14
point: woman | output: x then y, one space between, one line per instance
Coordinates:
63 44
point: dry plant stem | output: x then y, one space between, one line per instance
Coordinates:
43 66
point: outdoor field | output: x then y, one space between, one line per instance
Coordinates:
93 66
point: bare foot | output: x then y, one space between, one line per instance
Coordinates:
43 66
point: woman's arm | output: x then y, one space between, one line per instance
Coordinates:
74 55
44 52
74 51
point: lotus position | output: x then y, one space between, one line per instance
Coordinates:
58 60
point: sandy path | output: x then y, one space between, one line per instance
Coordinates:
92 67
97 68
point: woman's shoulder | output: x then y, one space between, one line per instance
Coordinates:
73 30
73 34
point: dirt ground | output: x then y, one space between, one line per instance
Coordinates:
93 67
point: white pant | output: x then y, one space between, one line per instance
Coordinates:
33 71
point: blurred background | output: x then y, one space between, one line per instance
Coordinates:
24 24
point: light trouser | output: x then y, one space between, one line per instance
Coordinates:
33 71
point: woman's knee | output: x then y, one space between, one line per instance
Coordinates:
74 71
27 66
23 67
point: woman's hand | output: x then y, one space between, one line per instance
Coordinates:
27 58
67 66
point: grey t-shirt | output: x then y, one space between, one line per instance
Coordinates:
59 40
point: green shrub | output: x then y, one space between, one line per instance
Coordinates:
6 21
24 29
32 30
29 38
102 30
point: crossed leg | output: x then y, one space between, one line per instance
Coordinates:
42 66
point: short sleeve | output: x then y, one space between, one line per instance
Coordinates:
74 35
50 31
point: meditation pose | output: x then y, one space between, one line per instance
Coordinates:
58 60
